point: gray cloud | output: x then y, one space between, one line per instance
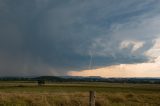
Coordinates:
44 37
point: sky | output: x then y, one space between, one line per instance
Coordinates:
108 38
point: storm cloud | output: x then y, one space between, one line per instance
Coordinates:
52 37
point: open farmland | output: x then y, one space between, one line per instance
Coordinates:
77 94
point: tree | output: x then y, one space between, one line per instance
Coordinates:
41 82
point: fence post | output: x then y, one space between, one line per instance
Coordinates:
92 96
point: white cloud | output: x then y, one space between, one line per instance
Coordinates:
135 45
154 52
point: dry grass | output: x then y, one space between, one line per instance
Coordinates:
79 99
66 94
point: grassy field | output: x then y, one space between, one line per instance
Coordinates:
77 94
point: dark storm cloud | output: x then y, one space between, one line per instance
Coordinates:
51 37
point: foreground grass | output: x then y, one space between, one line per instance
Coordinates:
73 94
79 99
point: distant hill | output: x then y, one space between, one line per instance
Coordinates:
83 79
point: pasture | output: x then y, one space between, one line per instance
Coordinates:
21 93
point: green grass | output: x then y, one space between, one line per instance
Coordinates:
76 94
79 87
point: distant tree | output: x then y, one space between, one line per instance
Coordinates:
41 82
